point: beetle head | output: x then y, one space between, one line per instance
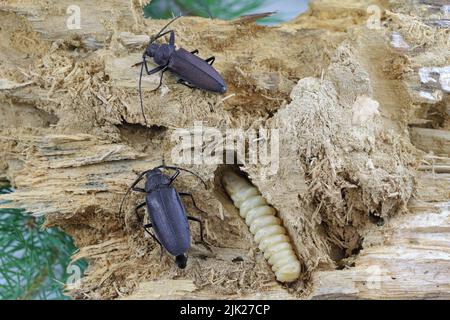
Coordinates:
181 261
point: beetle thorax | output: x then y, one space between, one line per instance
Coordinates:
151 50
155 180
163 53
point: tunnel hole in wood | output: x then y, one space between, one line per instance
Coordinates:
375 218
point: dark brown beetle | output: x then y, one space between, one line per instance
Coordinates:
192 70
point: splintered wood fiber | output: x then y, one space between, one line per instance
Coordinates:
72 139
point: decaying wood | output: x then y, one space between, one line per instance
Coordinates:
408 258
363 179
186 289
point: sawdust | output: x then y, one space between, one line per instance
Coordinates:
352 170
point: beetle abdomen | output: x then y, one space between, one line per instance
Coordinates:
264 225
169 221
196 71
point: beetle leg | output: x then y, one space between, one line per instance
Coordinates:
201 226
149 225
132 187
162 35
195 51
138 179
137 209
154 70
182 169
172 38
187 194
160 78
175 175
210 60
150 72
206 244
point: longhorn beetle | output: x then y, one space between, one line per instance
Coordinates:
166 211
192 71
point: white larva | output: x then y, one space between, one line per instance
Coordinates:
264 225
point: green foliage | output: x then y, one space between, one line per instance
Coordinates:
221 9
33 260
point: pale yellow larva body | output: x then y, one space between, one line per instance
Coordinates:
268 232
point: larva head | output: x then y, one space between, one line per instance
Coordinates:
181 261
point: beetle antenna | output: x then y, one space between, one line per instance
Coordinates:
196 175
189 171
207 9
130 189
152 39
140 91
123 200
